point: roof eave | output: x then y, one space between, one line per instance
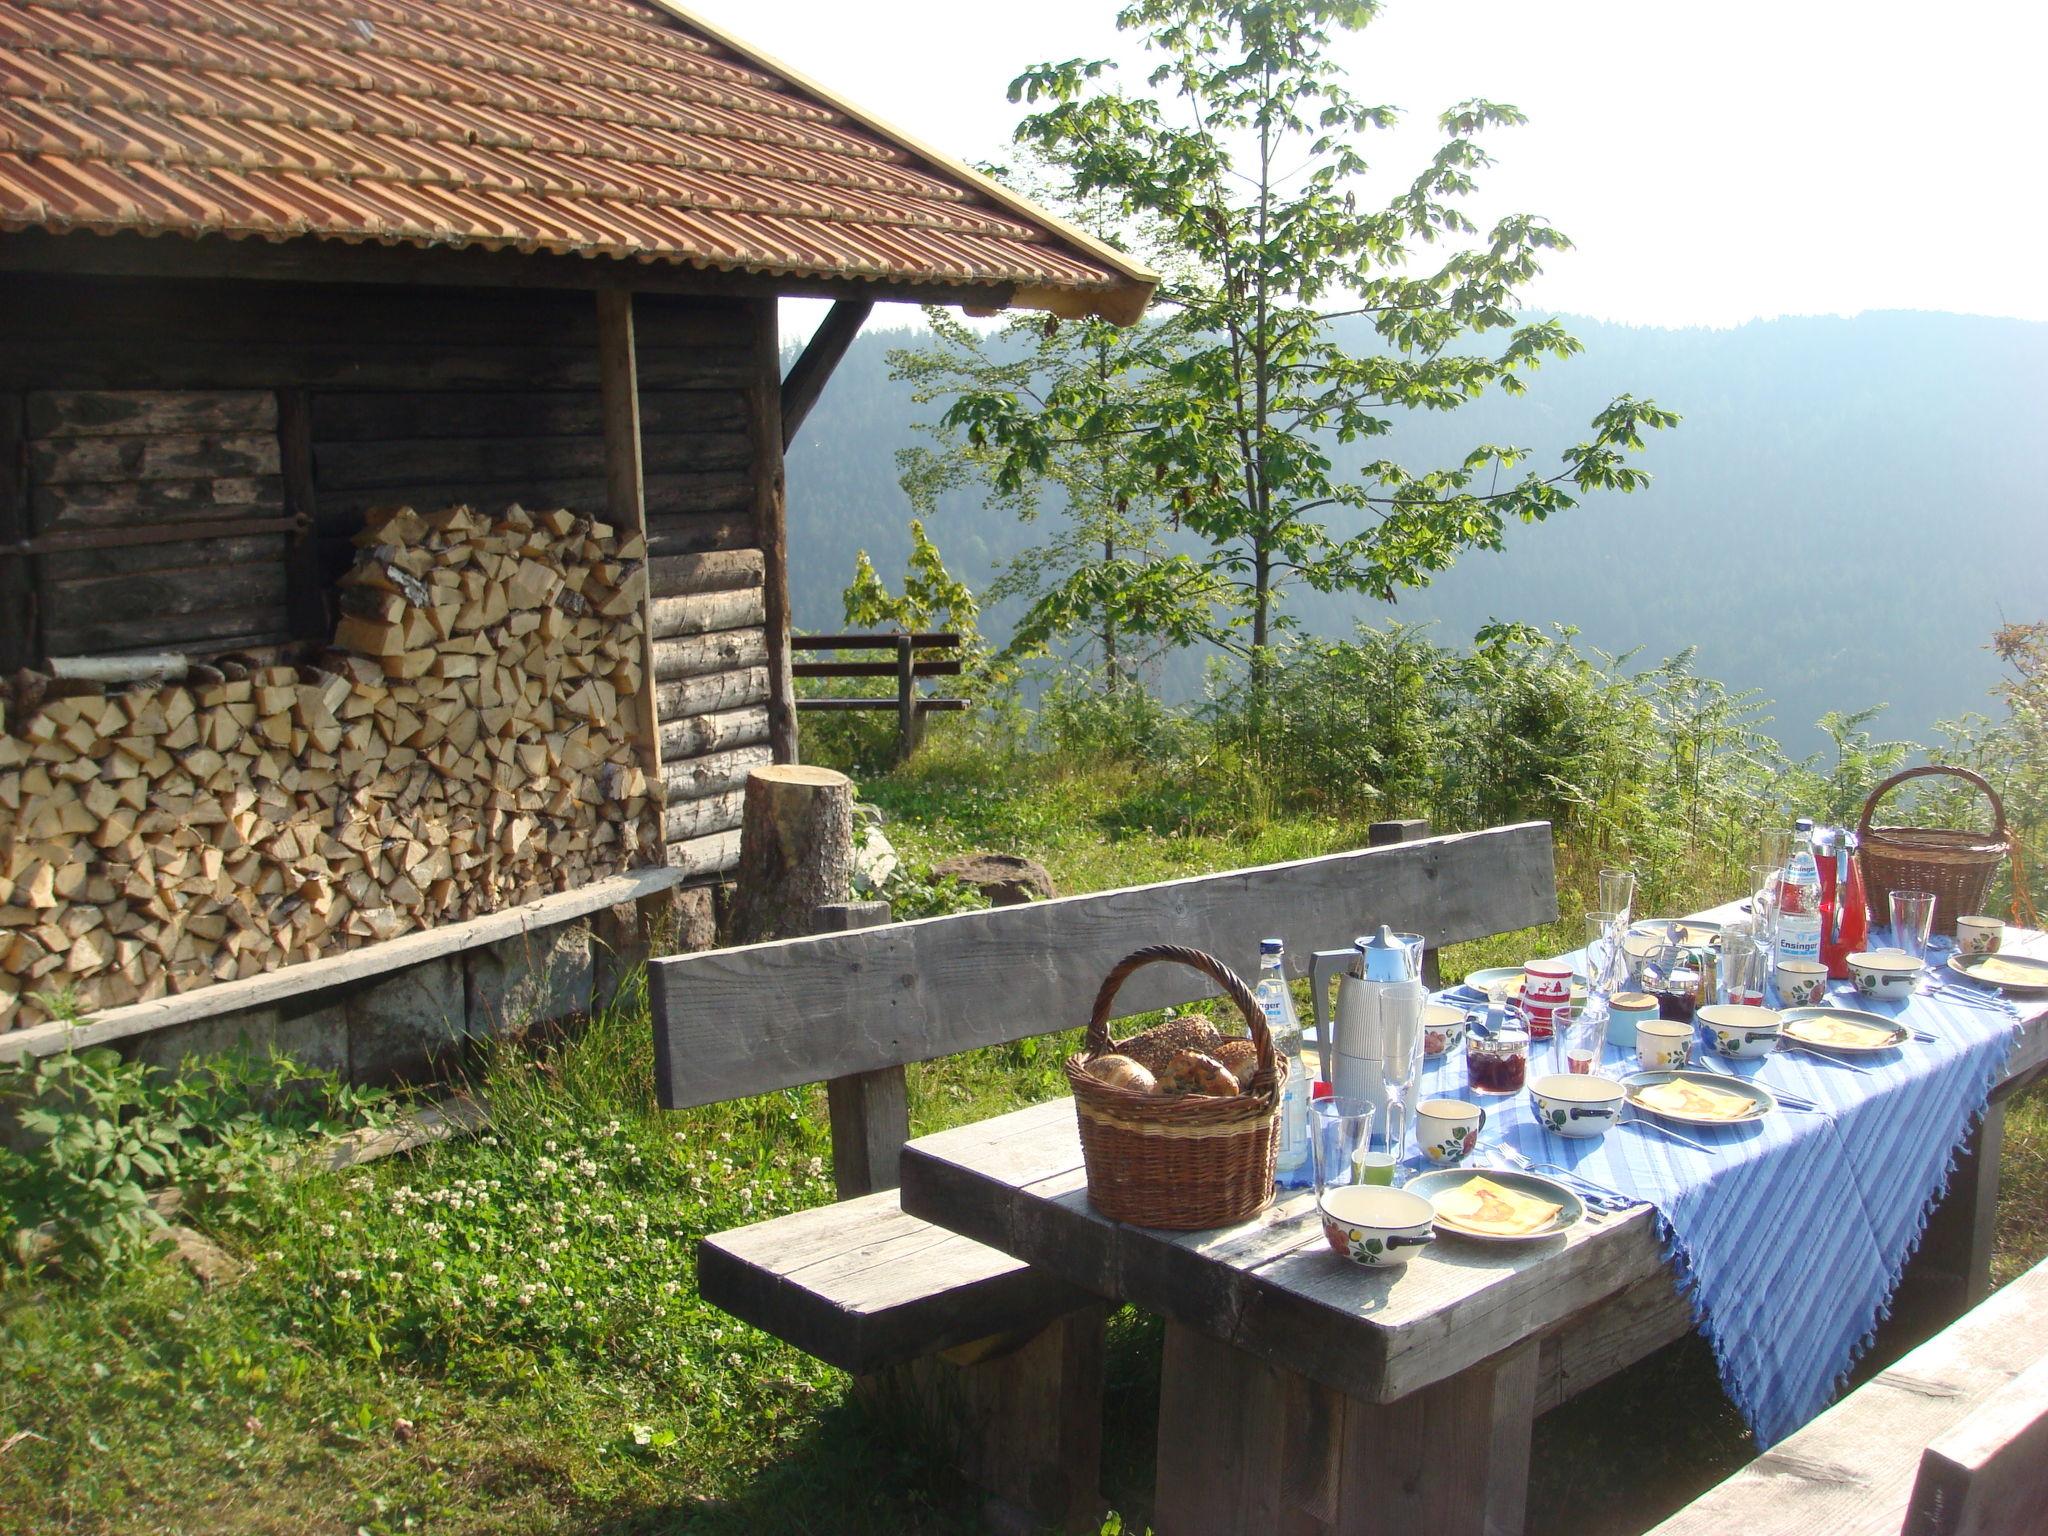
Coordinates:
1123 304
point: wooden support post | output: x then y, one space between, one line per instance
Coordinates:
1245 1446
1028 1414
870 1110
771 531
305 586
17 572
807 375
625 496
1955 1251
796 850
906 699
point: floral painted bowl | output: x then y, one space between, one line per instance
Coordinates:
1442 1027
1800 982
1741 1031
1574 1104
1376 1225
1885 975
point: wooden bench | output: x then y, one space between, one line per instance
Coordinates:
1010 1357
1950 1441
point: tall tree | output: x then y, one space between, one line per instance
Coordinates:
1241 174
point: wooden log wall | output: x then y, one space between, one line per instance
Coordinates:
383 395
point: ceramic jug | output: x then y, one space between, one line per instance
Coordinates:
1371 1041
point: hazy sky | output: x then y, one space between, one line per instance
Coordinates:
1712 163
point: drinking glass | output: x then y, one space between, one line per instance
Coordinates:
1606 965
1618 892
1340 1141
1763 898
1745 964
1774 846
1912 921
1577 1044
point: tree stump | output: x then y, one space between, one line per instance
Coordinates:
796 850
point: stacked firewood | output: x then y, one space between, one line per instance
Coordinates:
471 740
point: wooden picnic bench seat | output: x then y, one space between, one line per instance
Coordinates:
1950 1441
1011 1356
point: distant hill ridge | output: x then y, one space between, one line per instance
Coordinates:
1848 510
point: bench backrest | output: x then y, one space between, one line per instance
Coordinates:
734 1022
1988 1476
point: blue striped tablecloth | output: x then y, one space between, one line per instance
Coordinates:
1789 1236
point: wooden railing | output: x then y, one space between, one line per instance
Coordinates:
906 667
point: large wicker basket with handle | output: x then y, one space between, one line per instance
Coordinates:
1956 864
1182 1163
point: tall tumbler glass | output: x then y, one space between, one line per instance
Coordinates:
1606 964
1618 893
1912 914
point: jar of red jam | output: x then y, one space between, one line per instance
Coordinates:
1499 1062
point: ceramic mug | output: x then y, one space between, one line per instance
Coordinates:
1447 1129
1800 983
1546 993
1979 935
1663 1045
1625 1010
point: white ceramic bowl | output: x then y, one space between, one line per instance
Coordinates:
1442 1028
1801 983
1575 1104
1741 1031
1885 975
1376 1225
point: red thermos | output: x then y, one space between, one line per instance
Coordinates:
1844 912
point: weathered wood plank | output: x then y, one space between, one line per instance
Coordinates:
343 416
712 855
695 777
394 464
687 819
308 598
74 507
862 1286
1607 1337
682 532
129 412
713 571
870 1123
1988 1476
684 511
1851 1471
355 965
141 559
697 735
698 613
723 650
844 1003
192 456
711 692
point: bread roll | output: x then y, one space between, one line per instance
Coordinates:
1193 1072
1122 1072
1239 1057
1156 1046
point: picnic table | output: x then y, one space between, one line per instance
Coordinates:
1304 1393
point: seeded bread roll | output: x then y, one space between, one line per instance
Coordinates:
1156 1046
1122 1072
1239 1057
1193 1072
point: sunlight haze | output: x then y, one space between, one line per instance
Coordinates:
1712 165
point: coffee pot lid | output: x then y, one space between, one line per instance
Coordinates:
1386 957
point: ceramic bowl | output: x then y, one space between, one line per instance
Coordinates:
1885 975
1376 1226
1800 983
1442 1028
1576 1104
1741 1031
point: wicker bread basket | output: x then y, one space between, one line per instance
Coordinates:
1956 865
1185 1163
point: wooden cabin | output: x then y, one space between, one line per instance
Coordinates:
269 273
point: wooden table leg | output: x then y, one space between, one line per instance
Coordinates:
1246 1447
1961 1230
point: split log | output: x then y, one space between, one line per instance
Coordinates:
796 850
698 612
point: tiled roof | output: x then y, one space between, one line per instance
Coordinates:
617 128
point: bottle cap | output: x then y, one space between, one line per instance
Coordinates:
1321 1088
1271 947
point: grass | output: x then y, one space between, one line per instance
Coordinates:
503 1334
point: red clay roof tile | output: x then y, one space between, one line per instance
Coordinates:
619 128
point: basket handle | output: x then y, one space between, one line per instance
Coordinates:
1098 1042
1929 771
